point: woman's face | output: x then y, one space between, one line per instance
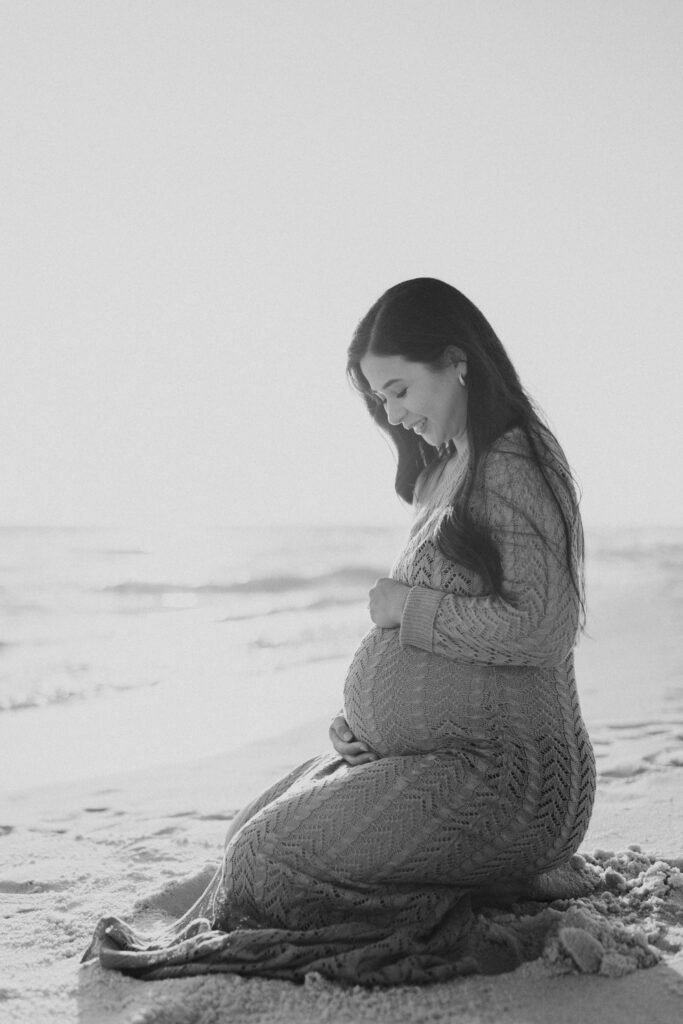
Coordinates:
431 402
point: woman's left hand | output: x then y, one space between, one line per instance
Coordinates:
387 599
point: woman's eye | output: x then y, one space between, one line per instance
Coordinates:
400 394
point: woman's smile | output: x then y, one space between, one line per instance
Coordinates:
418 427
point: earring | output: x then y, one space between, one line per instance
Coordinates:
461 378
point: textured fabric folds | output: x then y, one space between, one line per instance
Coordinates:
485 778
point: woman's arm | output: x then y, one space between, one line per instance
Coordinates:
538 621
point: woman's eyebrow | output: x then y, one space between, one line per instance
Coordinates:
387 384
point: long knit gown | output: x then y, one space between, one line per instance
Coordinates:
486 774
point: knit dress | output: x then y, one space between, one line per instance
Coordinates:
367 874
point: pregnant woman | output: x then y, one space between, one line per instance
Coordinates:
462 770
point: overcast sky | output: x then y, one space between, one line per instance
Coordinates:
200 200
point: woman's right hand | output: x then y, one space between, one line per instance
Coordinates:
347 746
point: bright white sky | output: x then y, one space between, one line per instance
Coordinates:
200 200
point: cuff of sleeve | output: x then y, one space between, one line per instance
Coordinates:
417 621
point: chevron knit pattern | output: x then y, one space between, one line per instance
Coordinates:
485 777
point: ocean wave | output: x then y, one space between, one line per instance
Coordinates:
353 575
639 541
60 693
664 558
319 604
39 700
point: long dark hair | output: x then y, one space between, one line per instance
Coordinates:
421 320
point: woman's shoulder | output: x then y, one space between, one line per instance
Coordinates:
509 453
515 444
525 459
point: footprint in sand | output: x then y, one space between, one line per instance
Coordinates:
19 887
29 887
643 728
228 816
149 850
623 771
175 896
640 747
43 830
670 757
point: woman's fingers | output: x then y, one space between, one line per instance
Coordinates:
341 727
352 750
361 759
356 753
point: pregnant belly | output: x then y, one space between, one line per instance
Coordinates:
402 700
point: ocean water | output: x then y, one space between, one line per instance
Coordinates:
123 648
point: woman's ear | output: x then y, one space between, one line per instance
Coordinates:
456 357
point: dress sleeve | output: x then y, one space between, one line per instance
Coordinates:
537 621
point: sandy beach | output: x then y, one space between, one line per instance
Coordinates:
142 843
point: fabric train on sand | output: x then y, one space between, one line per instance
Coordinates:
375 874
